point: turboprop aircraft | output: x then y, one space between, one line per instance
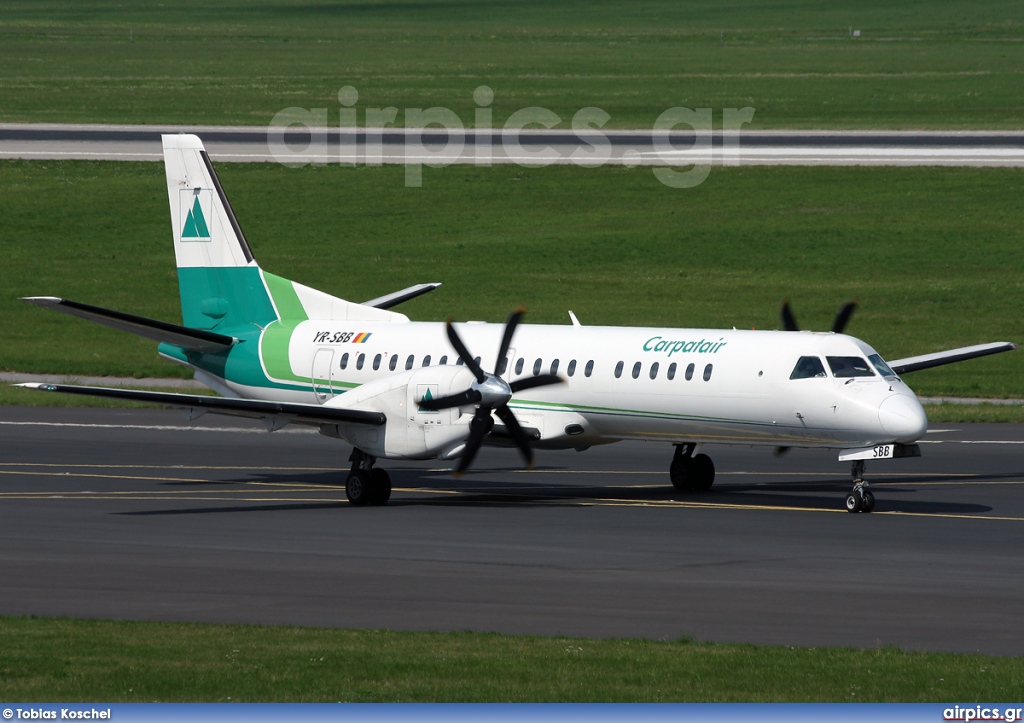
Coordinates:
396 389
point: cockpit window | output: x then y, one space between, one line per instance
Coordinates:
884 369
808 367
849 366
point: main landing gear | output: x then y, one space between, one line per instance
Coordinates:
366 485
689 472
860 498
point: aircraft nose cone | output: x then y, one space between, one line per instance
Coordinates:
903 417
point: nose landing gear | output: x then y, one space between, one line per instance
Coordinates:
860 499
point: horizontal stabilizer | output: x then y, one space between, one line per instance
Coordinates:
400 297
202 341
253 408
927 361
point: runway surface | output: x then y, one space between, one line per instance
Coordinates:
529 147
139 514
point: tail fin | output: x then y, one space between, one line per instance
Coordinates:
221 285
206 232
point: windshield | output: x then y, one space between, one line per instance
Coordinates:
849 366
881 366
808 367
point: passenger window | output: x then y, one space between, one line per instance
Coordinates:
589 368
376 362
689 372
554 367
671 371
571 369
344 360
519 365
849 366
444 360
536 367
426 360
808 367
618 370
636 370
459 362
409 362
393 363
707 373
359 361
502 365
654 370
477 360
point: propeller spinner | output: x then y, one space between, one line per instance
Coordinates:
490 393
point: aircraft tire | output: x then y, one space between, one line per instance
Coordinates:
680 475
868 503
854 501
380 486
702 472
358 488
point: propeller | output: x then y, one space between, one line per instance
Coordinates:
840 322
490 393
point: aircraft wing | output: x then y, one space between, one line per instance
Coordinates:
253 408
197 339
927 361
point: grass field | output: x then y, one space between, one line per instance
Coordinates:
66 660
942 64
934 255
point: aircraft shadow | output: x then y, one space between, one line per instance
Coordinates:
480 489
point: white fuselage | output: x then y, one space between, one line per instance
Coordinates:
675 385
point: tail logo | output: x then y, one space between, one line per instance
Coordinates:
194 226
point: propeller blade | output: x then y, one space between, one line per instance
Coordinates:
506 338
463 352
519 436
788 320
462 399
843 316
541 380
478 429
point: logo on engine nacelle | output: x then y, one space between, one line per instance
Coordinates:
425 392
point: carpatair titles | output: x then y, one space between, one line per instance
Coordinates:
669 347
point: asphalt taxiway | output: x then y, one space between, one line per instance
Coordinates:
139 514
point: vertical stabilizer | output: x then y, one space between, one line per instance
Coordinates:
206 232
222 287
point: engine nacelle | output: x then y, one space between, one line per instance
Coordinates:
410 432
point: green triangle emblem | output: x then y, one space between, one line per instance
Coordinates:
195 224
426 398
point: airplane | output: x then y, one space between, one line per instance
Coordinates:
392 388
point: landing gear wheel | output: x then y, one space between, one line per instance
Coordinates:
358 487
679 473
380 486
702 472
860 498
